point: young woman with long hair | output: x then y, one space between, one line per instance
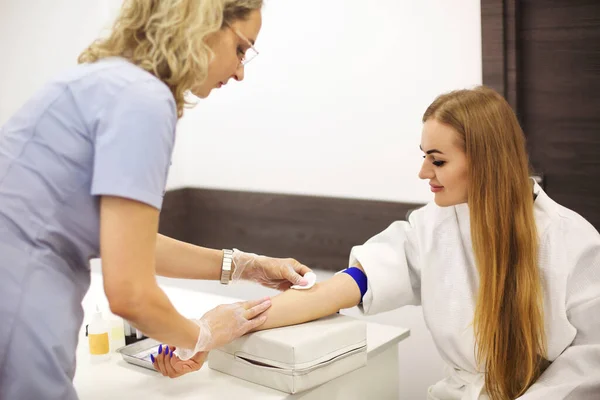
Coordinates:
508 279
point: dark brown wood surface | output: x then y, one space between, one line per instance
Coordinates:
318 231
492 44
560 95
556 80
499 32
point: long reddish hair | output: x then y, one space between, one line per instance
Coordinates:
508 321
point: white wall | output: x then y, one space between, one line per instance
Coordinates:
39 38
331 106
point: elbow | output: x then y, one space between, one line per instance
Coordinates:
123 308
125 300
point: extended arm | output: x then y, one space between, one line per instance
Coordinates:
325 298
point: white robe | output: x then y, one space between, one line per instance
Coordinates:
429 261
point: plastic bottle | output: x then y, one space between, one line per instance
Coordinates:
98 337
116 334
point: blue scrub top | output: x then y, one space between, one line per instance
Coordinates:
105 128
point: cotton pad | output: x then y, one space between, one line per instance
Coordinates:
311 278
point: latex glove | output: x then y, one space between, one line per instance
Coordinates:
275 273
226 323
169 364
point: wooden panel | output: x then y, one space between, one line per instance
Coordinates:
499 41
544 57
560 98
317 231
492 44
511 53
175 215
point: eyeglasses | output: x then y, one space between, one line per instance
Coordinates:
250 53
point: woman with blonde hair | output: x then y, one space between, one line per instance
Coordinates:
83 167
508 279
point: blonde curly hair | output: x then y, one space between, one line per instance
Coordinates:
168 38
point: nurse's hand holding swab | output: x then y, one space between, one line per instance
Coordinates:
275 273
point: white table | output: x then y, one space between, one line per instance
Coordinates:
116 379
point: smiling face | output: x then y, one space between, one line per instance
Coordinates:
445 164
229 46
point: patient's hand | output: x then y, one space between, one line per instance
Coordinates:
172 366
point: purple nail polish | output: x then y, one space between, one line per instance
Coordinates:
160 349
152 358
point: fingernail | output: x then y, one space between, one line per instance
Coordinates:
303 282
171 353
167 351
152 358
160 349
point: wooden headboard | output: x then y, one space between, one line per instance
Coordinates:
318 231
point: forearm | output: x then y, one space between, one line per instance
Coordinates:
325 298
177 259
127 240
147 308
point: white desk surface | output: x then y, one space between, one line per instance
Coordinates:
116 379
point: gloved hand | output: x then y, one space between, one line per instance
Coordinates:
275 273
225 323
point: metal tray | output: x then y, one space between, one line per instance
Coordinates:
138 353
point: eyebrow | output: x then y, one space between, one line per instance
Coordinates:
242 36
431 151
